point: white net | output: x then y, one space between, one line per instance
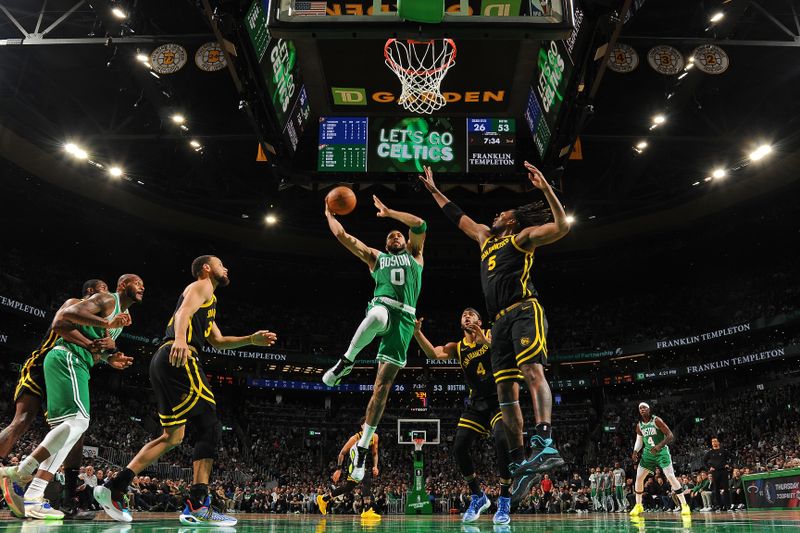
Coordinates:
421 67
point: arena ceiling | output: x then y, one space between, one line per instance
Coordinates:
69 73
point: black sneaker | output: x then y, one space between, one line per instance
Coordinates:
334 375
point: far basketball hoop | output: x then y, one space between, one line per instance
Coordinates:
421 67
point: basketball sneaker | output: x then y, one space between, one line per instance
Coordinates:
686 510
205 515
544 455
637 510
503 514
322 504
334 375
478 505
116 509
40 508
12 494
358 457
370 514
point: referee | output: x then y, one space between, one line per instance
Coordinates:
718 461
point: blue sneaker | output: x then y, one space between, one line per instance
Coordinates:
478 505
205 516
503 514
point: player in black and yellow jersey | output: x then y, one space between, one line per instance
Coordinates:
369 512
482 414
183 395
29 395
519 331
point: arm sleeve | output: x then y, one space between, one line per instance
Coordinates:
639 443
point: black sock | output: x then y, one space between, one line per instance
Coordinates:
544 430
505 490
474 484
119 485
70 484
517 454
198 493
326 498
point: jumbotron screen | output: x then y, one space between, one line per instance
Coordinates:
406 144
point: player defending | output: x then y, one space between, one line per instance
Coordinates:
519 332
481 416
66 373
652 433
184 396
390 314
369 512
28 397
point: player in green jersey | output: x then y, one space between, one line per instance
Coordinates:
390 314
654 435
66 374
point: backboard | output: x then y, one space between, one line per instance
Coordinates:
409 428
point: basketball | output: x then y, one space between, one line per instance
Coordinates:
341 200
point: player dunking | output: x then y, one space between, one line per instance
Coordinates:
654 435
66 373
390 314
184 396
369 511
519 332
28 397
481 416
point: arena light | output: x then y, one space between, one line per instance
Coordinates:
695 184
271 220
718 173
115 172
659 119
716 17
120 14
142 58
570 219
177 118
76 151
195 143
641 145
760 152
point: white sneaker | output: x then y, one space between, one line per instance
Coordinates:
356 459
40 508
116 510
13 474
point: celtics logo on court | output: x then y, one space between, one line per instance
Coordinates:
711 59
623 59
666 60
168 58
210 57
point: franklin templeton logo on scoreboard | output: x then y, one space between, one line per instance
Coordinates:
624 59
666 60
711 59
210 57
168 58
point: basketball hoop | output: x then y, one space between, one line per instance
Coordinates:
418 444
421 67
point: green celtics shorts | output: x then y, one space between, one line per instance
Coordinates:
66 377
397 337
649 461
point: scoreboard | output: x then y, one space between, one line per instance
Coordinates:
406 144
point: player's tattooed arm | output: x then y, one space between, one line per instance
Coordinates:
91 312
355 246
475 231
68 330
416 241
448 351
534 236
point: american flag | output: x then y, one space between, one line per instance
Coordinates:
315 8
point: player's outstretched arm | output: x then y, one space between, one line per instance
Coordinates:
262 337
416 239
356 247
448 351
69 332
475 231
91 312
532 237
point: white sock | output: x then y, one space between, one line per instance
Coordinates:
376 321
366 436
28 466
36 489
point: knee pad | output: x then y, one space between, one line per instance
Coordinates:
77 427
208 434
461 450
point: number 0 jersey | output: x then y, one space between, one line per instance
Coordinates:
199 324
475 360
398 276
505 273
